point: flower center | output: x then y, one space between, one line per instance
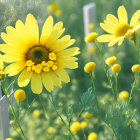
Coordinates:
121 29
40 59
38 54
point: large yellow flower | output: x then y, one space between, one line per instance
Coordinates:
41 61
119 28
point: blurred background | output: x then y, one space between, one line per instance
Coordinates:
34 123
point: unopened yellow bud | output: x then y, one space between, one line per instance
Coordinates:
89 67
20 95
92 136
91 37
116 68
83 124
135 68
36 113
9 139
58 13
75 126
111 60
88 115
123 95
91 26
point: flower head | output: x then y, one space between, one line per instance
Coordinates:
116 68
20 95
52 7
91 37
119 28
92 136
123 95
88 115
75 126
83 124
58 13
43 61
89 67
111 60
36 113
136 68
9 139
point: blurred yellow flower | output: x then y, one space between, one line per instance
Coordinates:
135 68
111 60
20 95
58 13
91 37
18 130
91 26
88 115
9 139
36 113
92 136
83 124
43 61
123 95
75 126
91 49
52 7
51 130
119 28
11 122
116 68
89 67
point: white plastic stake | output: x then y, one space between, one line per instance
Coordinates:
89 13
4 115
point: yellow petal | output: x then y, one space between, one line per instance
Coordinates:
10 29
113 42
46 30
47 81
136 28
63 75
32 28
3 48
24 78
120 41
69 52
36 83
105 38
106 27
15 68
135 18
122 15
1 61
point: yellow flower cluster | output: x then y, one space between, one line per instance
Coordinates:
136 68
91 37
20 95
89 67
123 95
76 126
36 113
92 136
44 66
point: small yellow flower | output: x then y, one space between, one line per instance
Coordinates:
51 130
123 95
91 37
89 67
9 139
83 124
52 7
135 68
12 122
75 126
20 95
111 60
88 115
36 113
91 26
58 13
92 136
18 130
91 49
116 68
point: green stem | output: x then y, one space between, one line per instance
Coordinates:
42 104
116 79
93 84
137 48
13 112
133 85
81 113
67 127
84 134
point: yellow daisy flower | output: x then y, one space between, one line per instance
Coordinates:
39 61
119 28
